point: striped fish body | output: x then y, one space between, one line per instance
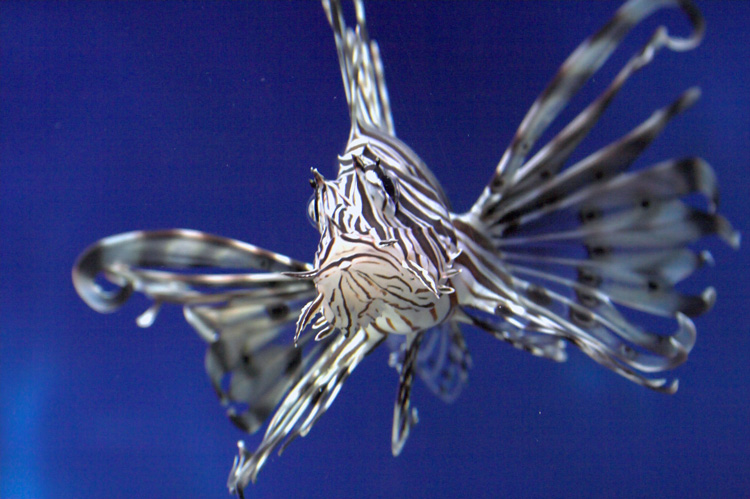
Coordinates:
550 254
384 261
362 285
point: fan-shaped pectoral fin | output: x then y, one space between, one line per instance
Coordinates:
323 373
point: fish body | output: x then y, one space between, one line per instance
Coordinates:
551 254
383 261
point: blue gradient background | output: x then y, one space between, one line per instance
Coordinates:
123 116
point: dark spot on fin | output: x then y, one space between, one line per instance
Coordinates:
277 311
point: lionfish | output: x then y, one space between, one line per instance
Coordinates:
548 255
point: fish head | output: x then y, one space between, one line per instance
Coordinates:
367 270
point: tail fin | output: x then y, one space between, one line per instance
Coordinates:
566 246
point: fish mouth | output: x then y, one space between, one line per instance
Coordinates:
363 280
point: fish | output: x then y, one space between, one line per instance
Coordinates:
552 253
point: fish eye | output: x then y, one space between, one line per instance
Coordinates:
376 175
385 180
312 210
388 186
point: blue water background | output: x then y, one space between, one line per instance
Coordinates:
121 116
